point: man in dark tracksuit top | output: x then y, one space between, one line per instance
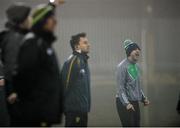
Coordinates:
129 91
76 80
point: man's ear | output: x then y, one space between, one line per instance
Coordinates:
76 47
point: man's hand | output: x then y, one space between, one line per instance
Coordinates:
130 107
57 2
2 82
12 98
146 102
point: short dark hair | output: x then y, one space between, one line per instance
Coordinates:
75 39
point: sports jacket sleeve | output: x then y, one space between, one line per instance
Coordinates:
121 79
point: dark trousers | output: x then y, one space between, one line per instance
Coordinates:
30 124
14 113
4 116
19 118
128 118
76 119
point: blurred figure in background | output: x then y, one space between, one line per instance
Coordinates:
129 91
38 80
178 105
76 81
4 116
18 24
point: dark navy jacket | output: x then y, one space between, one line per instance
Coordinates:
76 81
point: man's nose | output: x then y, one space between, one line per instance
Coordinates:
137 50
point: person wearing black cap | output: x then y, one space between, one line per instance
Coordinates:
18 24
38 78
129 91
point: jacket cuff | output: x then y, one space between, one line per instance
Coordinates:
125 100
1 77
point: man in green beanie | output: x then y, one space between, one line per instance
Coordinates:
129 92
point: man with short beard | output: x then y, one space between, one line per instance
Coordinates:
129 91
76 81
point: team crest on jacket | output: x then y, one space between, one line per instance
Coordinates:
82 71
133 71
49 51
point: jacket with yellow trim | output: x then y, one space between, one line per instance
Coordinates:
76 81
